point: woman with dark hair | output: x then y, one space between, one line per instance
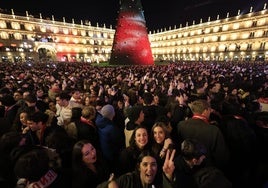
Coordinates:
139 141
146 173
88 169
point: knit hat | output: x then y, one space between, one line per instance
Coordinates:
107 111
133 113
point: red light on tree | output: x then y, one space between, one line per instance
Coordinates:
131 44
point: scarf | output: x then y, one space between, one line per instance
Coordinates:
44 181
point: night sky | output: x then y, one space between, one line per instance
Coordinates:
158 13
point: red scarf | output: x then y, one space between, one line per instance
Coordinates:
201 117
87 121
44 181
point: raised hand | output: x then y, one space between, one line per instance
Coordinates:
169 167
112 183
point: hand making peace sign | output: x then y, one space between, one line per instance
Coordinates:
169 167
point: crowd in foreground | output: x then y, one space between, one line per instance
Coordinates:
184 124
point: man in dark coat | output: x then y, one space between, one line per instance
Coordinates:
199 128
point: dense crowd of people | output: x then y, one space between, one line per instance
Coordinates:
183 124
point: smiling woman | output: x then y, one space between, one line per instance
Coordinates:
88 169
147 173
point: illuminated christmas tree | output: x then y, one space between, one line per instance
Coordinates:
131 44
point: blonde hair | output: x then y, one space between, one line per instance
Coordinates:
199 106
89 112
